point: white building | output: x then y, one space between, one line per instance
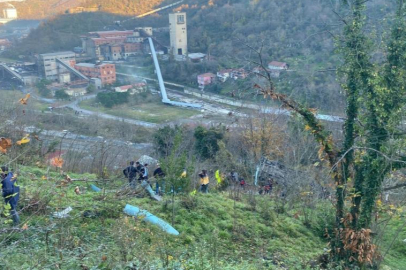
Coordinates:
76 92
49 66
224 74
178 33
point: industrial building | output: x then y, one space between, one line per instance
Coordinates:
53 70
178 33
59 67
105 72
115 45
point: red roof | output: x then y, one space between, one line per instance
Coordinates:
126 87
112 33
207 75
278 64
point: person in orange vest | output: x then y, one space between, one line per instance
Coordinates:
204 181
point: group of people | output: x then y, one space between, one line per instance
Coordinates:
10 192
267 187
136 171
238 180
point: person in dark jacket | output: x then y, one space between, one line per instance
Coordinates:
11 192
145 172
159 175
140 171
130 172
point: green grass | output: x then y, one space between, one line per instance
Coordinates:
16 95
150 111
215 231
394 235
210 226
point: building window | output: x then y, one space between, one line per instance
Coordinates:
181 19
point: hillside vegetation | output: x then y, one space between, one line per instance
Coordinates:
61 33
40 9
299 34
216 232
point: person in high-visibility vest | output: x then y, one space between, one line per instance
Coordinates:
204 181
218 176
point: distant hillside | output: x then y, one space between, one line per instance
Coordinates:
299 34
61 33
39 9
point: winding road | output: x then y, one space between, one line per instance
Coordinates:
75 106
210 102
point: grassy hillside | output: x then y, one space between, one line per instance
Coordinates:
216 232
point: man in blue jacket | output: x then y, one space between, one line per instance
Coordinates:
11 192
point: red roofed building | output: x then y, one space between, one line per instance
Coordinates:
205 79
278 65
123 89
239 73
114 45
224 74
109 34
132 88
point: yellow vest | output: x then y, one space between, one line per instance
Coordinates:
204 180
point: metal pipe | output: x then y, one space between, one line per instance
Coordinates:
158 9
94 188
158 72
148 217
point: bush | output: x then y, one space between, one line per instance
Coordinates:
111 99
61 94
323 220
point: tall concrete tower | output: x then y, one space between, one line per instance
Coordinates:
178 33
10 12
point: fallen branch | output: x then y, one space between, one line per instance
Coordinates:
88 180
10 230
395 187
